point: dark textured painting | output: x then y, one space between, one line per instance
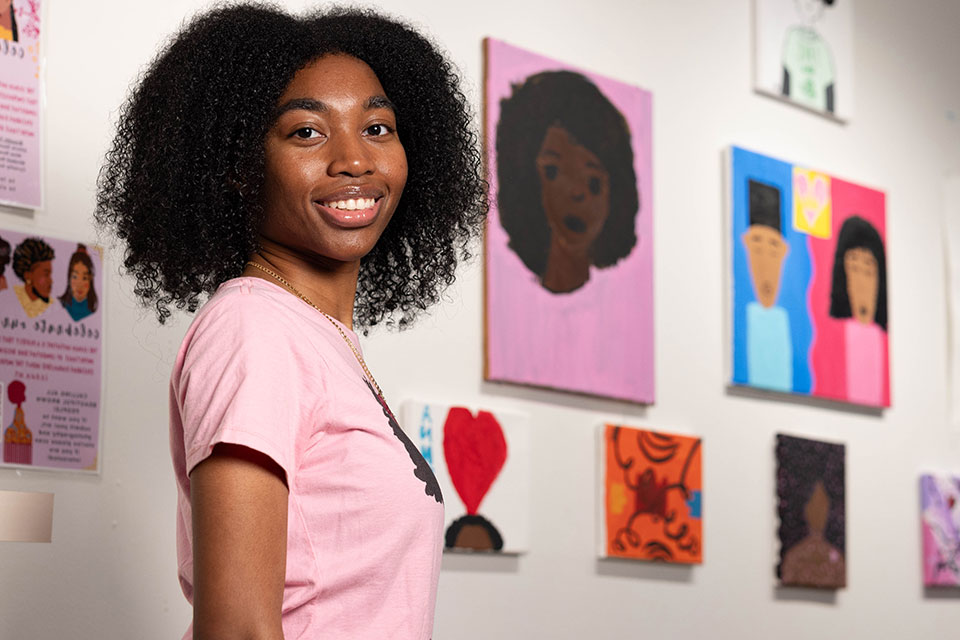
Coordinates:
812 509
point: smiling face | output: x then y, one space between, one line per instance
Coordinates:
766 249
574 190
863 283
79 281
39 279
334 164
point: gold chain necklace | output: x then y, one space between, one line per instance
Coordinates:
276 276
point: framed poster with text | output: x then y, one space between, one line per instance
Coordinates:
51 332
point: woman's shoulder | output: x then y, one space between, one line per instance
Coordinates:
247 308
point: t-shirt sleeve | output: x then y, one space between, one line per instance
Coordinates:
244 381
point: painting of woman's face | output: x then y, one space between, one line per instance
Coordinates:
574 189
863 283
79 281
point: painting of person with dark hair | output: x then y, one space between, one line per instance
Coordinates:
809 282
8 21
33 264
4 261
569 279
80 296
859 298
568 192
811 503
769 350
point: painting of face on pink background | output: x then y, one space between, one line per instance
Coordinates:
569 240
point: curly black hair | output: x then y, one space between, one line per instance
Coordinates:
182 182
570 100
30 252
857 233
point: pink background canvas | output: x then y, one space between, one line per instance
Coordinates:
829 344
599 339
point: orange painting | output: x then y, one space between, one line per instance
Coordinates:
652 496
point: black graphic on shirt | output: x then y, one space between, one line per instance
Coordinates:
422 469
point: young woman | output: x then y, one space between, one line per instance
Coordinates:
263 157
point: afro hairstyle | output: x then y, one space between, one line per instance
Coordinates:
28 253
181 184
573 102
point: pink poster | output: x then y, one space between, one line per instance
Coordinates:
569 242
51 325
20 162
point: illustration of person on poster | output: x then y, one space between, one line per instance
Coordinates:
50 351
20 180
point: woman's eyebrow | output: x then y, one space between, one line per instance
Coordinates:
379 102
305 104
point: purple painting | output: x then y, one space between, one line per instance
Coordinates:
940 502
569 243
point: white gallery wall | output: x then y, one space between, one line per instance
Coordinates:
110 571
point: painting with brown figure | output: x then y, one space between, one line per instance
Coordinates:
569 239
811 505
652 496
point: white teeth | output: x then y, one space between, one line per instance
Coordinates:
351 204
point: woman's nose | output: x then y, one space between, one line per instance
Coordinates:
350 157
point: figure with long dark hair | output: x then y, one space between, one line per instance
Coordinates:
858 297
80 296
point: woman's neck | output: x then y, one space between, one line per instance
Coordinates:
566 271
330 285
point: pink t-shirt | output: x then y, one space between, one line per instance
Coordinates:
261 368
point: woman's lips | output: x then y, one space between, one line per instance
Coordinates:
348 218
575 224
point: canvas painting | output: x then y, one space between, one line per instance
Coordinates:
809 282
940 505
651 495
804 53
569 238
482 461
812 510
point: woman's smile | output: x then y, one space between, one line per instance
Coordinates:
335 167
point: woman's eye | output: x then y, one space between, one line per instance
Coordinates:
594 185
305 133
377 130
551 171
